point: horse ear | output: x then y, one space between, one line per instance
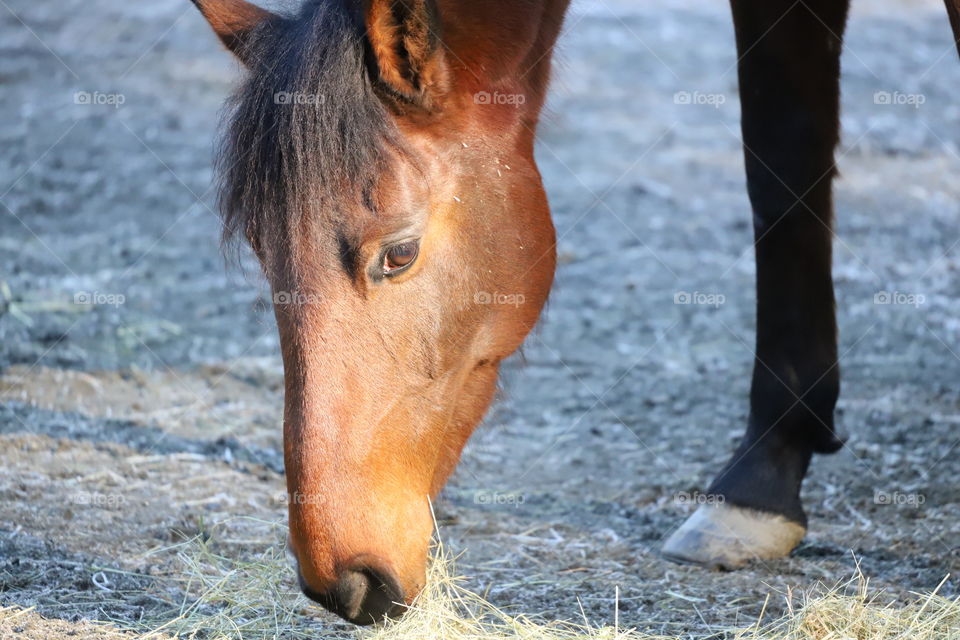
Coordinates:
233 21
409 59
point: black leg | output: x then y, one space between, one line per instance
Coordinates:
953 10
789 69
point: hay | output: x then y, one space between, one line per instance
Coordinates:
447 610
832 615
256 599
252 598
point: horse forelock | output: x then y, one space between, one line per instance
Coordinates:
305 134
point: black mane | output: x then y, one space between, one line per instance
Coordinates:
305 133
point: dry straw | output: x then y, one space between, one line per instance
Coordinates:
255 599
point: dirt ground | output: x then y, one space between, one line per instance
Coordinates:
139 371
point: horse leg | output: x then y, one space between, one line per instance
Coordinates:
953 9
789 70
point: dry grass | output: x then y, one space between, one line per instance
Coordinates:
17 623
838 614
253 598
447 610
256 599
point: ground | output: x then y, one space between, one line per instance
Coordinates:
141 382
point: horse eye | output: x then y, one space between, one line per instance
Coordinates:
399 257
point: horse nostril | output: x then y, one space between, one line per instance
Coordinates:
363 595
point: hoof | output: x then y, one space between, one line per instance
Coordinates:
728 537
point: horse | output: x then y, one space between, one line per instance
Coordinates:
379 159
